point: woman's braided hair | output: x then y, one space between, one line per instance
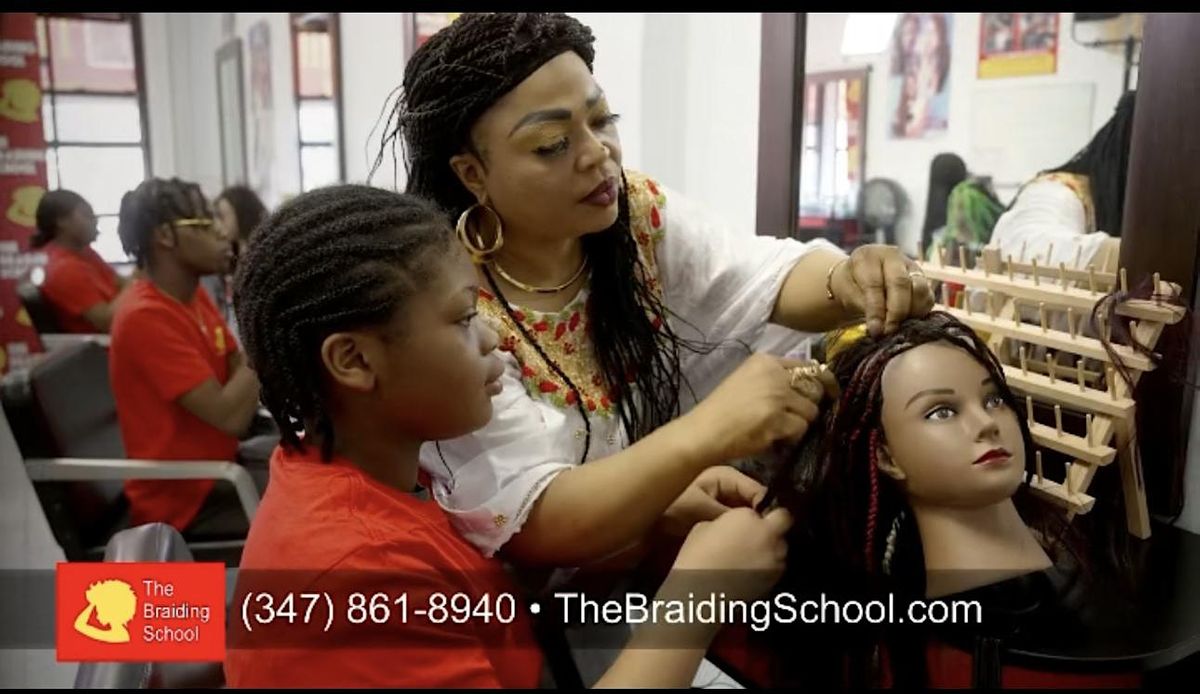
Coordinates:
451 80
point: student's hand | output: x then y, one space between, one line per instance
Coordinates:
754 407
881 284
741 554
715 491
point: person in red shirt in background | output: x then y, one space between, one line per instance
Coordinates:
81 289
359 312
181 385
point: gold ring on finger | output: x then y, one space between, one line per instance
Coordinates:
804 381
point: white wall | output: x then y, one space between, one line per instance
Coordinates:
907 161
686 86
181 93
698 119
372 66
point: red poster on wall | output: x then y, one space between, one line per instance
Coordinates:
22 180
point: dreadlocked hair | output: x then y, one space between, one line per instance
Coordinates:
155 202
1105 160
854 533
451 80
334 259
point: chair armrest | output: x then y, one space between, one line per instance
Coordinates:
53 341
90 469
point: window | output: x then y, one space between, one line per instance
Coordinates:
94 113
317 69
834 130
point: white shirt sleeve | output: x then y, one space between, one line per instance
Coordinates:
722 285
723 282
488 480
1047 212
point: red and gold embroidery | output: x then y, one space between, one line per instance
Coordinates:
564 334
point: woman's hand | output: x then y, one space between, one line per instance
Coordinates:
751 409
883 285
740 554
715 491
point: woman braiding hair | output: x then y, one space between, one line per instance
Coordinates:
609 292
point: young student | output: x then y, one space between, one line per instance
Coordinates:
359 313
181 385
80 287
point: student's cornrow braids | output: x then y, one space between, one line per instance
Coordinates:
337 258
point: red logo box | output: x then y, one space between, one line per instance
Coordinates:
140 611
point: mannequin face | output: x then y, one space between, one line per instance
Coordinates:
950 439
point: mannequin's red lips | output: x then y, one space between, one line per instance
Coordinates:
994 455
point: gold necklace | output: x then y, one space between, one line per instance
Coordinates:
540 290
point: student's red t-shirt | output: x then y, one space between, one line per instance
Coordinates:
338 524
76 281
160 350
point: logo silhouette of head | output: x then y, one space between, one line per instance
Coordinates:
115 602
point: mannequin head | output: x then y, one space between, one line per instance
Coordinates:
926 425
925 420
949 436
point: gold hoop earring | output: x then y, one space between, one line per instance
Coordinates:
479 254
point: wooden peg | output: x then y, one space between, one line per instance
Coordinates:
991 303
1035 271
1157 294
1016 313
1071 321
1010 267
1088 424
1062 274
964 301
1049 254
980 264
962 257
1069 482
1058 420
1038 459
1079 375
1042 314
1029 409
945 295
941 256
1092 278
1078 256
1050 367
1124 282
1024 360
1022 256
1110 375
1103 326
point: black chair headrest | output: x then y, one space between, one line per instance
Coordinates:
38 309
73 394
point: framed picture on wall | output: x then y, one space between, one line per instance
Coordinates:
1017 44
231 113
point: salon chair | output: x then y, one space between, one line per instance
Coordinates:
64 417
153 542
